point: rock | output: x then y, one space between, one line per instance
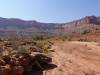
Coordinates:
17 70
34 49
19 63
43 59
5 70
6 58
2 62
8 44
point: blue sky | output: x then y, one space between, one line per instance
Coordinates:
56 11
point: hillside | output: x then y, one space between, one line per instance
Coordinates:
76 58
18 26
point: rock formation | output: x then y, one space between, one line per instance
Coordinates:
18 63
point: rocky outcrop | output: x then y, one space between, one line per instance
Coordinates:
22 60
90 20
88 23
86 20
18 64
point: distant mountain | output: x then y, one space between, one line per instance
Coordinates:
18 26
23 27
88 23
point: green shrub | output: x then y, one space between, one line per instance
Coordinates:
40 37
85 32
69 38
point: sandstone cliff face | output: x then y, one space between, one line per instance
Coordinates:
88 23
91 20
17 26
86 20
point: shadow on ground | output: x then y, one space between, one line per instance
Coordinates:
40 72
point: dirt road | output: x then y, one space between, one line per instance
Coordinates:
76 58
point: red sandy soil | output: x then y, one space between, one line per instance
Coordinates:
75 58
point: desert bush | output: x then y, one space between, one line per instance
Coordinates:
69 38
40 37
44 47
22 50
82 39
85 32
